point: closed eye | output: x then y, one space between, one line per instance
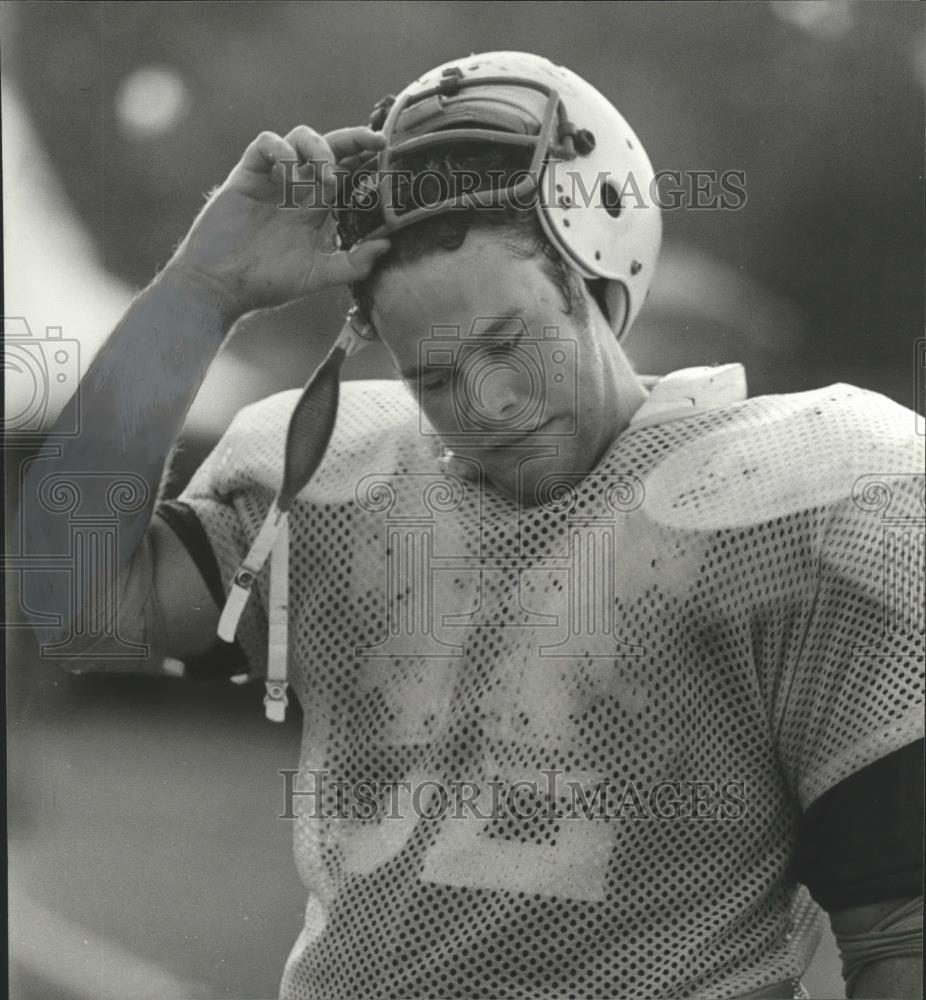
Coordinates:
503 346
505 334
431 380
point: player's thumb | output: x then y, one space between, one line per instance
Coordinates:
357 263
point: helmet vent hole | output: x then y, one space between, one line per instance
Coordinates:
566 223
597 255
611 199
629 144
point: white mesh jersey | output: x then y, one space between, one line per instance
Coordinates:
574 740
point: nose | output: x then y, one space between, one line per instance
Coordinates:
499 392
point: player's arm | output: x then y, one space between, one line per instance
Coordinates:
860 852
244 252
184 614
851 730
892 976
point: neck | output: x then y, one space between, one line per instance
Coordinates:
630 393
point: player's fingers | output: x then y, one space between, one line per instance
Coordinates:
265 151
316 156
342 268
309 145
346 142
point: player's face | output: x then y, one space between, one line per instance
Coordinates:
510 383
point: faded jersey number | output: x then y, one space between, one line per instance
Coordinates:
572 865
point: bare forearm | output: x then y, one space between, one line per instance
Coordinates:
881 945
894 978
132 404
135 397
246 250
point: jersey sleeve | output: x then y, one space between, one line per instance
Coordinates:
856 688
224 659
232 490
217 518
861 841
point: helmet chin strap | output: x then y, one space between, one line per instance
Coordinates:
615 297
307 438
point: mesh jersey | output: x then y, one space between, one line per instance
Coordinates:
673 656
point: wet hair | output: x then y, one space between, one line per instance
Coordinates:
452 169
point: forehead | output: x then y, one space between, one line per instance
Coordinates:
484 278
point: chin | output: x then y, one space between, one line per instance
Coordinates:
524 480
535 485
524 495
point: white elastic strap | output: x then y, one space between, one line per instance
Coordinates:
247 572
275 701
274 537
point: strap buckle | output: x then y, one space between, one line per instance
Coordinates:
276 701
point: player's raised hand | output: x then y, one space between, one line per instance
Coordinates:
266 236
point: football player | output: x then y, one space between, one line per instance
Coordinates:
612 687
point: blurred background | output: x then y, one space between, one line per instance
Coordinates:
146 859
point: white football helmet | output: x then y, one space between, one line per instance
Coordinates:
589 179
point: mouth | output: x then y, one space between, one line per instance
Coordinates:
501 443
501 454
